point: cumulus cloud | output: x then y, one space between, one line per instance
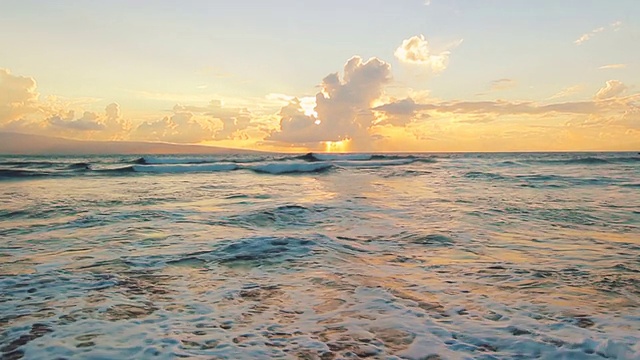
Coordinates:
612 89
110 126
181 127
343 107
22 111
416 50
233 119
193 124
18 96
88 122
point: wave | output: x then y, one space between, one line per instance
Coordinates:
575 161
509 163
152 160
357 157
26 163
288 168
167 169
625 159
270 168
484 175
368 164
80 166
18 173
118 170
587 161
330 157
568 180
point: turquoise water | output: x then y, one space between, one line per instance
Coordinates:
457 256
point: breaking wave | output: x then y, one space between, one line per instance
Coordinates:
288 168
184 168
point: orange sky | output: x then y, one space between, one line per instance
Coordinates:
294 78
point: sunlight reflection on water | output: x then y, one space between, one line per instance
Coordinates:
402 261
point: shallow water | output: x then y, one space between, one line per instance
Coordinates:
453 256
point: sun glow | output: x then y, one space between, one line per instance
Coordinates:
337 146
308 105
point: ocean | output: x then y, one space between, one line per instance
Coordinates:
321 256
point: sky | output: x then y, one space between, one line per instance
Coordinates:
284 75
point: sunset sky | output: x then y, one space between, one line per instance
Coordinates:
440 75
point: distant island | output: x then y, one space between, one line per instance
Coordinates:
26 144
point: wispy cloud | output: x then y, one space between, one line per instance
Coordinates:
571 90
503 84
613 66
615 26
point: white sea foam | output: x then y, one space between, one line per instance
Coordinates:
185 168
535 261
290 167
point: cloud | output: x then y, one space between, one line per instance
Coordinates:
88 122
18 96
400 113
503 84
343 106
587 36
110 126
233 119
612 89
613 66
416 50
571 90
615 26
181 127
605 103
193 124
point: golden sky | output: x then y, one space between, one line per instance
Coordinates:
330 76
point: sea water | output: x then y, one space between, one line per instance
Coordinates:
388 256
